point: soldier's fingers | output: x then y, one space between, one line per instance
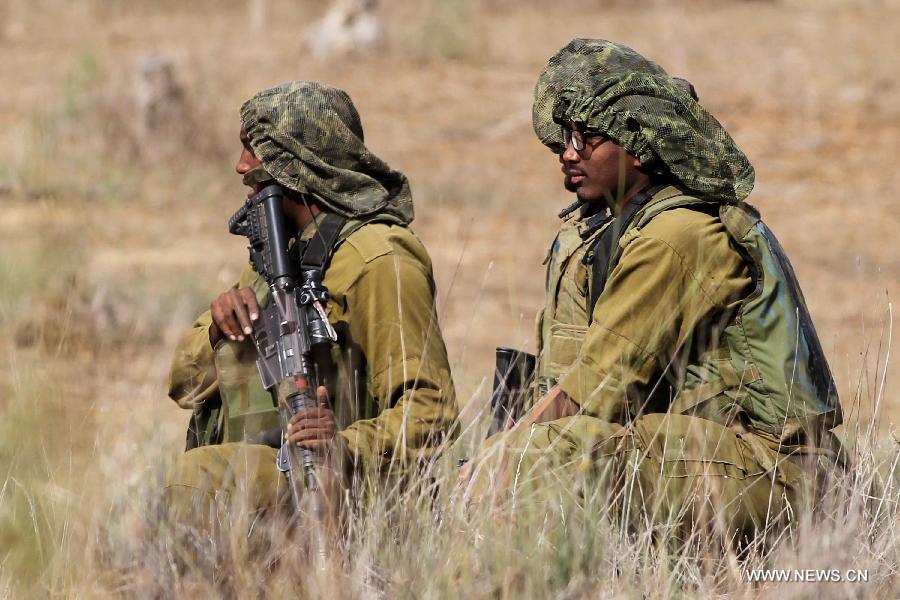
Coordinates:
295 419
218 312
312 425
309 417
317 445
240 312
226 302
306 413
313 413
249 298
322 394
305 424
310 434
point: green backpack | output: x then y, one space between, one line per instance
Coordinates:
769 363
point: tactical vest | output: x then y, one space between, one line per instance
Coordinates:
244 410
563 322
768 365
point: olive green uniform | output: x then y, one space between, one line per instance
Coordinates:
563 322
387 377
704 397
669 430
389 382
677 276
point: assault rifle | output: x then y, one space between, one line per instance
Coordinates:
292 325
513 376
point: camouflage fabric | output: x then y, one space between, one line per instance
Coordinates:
309 137
256 176
582 61
657 121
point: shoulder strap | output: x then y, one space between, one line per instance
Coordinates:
320 247
593 224
599 254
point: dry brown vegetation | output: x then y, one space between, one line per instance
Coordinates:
111 239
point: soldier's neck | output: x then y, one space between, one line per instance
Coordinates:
304 214
635 187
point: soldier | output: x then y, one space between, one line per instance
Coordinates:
563 321
387 401
699 395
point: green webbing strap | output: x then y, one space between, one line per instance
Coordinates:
599 254
203 426
320 247
314 253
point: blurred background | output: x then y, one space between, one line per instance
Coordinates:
119 136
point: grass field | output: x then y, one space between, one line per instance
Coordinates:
111 240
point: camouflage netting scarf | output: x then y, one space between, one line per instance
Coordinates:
658 121
581 62
309 138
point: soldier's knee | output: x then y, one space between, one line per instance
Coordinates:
196 468
190 484
693 471
212 477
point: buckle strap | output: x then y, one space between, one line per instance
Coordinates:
593 224
600 253
318 250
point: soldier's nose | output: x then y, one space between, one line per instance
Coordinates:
569 155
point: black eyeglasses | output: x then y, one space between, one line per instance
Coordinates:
578 138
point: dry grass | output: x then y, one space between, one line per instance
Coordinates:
109 244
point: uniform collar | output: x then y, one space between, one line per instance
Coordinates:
650 195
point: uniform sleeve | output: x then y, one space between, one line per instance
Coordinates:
192 376
656 296
395 324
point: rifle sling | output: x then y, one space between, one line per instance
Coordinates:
598 256
314 253
318 249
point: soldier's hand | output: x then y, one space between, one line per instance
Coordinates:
555 405
313 428
233 313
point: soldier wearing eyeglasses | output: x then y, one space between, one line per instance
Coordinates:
680 380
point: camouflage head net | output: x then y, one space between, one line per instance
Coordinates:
658 121
580 62
309 138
